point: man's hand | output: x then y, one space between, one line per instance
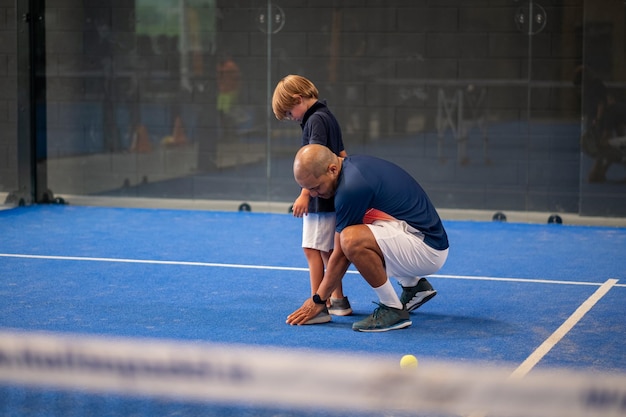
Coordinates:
306 312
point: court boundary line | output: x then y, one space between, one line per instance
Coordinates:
546 346
286 268
538 354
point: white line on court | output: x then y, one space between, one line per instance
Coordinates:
559 333
153 262
527 280
525 367
279 268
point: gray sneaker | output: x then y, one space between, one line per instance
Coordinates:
413 297
383 319
322 317
340 307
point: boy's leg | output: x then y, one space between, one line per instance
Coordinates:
338 304
316 268
316 273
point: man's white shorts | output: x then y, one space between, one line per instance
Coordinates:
318 231
406 254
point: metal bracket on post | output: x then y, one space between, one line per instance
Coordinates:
530 18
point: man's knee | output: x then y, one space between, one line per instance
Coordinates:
354 239
348 241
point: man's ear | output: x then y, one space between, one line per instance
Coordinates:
333 169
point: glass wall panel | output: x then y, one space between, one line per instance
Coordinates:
602 88
481 101
553 147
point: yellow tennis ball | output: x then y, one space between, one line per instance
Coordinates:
408 361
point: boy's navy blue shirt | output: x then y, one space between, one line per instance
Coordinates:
320 126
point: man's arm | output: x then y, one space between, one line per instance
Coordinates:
335 270
337 266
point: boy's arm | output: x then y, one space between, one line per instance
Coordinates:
301 205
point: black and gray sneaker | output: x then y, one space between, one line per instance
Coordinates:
413 297
322 317
340 307
384 318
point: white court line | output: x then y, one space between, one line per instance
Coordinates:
559 333
525 367
153 262
280 268
526 280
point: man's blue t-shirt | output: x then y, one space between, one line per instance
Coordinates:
367 182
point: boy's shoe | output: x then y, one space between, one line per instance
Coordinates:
322 317
340 307
414 297
382 319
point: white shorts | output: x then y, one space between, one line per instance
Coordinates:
318 231
406 254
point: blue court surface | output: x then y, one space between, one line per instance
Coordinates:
233 277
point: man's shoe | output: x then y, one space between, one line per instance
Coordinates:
322 317
340 307
413 297
384 318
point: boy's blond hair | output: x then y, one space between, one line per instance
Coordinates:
287 92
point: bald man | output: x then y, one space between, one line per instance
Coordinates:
386 226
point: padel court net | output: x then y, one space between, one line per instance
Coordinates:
48 374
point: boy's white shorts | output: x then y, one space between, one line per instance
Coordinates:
318 231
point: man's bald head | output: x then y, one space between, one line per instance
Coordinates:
316 168
313 160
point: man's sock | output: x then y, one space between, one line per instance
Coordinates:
387 295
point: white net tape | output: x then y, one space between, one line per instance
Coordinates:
301 379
